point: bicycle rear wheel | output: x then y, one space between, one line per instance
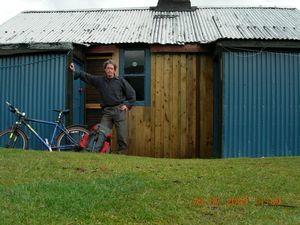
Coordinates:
13 139
71 141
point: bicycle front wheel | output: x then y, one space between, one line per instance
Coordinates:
13 139
71 141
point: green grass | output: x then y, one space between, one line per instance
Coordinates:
38 187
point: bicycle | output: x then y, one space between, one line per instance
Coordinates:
63 138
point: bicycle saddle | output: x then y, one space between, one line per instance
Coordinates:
63 111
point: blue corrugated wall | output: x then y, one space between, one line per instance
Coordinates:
261 104
78 96
34 83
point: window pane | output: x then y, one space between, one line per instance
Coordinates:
134 62
137 82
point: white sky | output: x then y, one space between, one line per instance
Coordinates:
10 8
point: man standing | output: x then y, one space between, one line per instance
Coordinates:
117 97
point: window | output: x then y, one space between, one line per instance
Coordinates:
134 67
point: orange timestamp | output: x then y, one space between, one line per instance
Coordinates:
216 201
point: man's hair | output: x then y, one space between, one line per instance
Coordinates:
109 62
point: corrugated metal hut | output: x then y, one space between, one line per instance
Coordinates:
210 82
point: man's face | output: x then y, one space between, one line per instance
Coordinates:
110 71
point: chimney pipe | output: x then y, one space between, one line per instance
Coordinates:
173 5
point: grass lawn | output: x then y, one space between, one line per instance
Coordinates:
39 187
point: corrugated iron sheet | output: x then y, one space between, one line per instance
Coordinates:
112 26
35 84
261 104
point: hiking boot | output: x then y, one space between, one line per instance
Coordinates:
122 152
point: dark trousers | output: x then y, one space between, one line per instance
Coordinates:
115 116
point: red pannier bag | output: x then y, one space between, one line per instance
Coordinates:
106 144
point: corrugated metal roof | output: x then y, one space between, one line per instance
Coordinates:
143 25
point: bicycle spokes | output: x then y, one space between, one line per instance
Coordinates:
71 140
11 140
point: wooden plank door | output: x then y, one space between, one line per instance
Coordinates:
94 65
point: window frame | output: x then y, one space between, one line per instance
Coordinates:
146 73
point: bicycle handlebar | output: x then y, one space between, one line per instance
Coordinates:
14 109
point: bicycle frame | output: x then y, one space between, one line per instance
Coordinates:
57 129
46 143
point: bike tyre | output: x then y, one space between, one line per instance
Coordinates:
21 136
79 131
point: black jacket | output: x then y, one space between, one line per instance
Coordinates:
113 91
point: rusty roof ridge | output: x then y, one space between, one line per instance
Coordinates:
150 9
246 7
86 10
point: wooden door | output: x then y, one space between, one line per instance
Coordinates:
94 65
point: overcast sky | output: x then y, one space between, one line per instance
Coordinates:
10 8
